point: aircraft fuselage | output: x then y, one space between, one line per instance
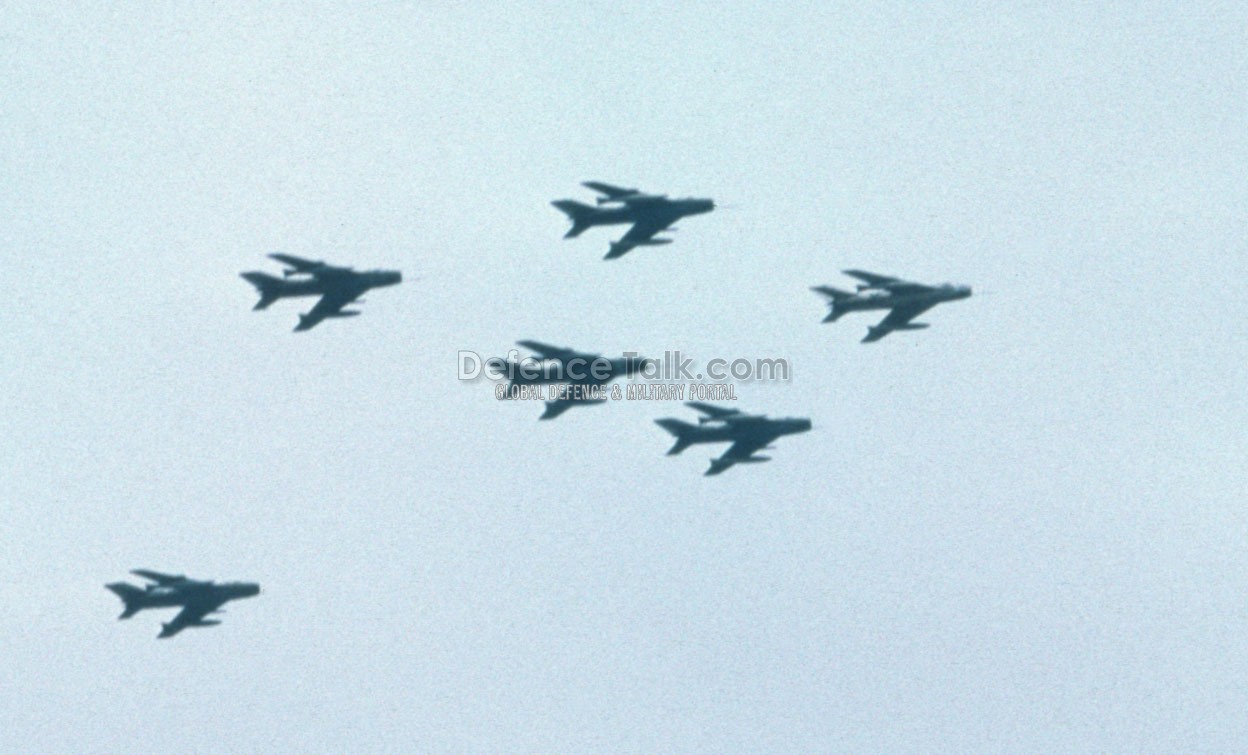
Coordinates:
634 212
587 370
716 432
169 596
877 299
320 286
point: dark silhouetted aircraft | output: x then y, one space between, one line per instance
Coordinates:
748 433
649 214
906 300
198 599
337 287
579 378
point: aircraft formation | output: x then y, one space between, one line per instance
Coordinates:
579 378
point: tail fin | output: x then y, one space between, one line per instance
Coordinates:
268 286
555 408
683 432
130 595
835 296
578 213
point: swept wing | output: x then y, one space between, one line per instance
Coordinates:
895 285
713 412
191 615
641 234
609 192
330 305
898 319
159 578
742 450
557 353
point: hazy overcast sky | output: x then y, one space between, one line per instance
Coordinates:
1022 530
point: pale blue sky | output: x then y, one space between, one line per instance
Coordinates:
1020 530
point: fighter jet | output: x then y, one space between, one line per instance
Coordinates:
650 214
581 377
198 599
337 287
748 433
563 365
906 300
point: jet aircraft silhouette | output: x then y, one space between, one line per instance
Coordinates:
649 214
748 433
907 301
337 287
198 599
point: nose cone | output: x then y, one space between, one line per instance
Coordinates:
803 425
251 589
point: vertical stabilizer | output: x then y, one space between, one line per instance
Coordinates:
130 595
